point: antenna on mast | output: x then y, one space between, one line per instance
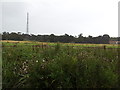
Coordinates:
27 29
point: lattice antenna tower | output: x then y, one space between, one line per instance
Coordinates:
27 29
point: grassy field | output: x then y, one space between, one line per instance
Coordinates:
8 42
56 65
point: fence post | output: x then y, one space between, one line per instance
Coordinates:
104 47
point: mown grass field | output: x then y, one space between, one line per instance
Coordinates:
8 42
57 65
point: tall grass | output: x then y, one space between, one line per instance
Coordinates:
59 67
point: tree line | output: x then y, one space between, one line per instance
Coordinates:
104 39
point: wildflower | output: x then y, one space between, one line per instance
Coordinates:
43 60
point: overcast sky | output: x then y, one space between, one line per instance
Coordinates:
90 17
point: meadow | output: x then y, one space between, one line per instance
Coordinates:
59 65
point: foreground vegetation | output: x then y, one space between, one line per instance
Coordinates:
62 66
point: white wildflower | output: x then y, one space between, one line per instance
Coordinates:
43 60
36 60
